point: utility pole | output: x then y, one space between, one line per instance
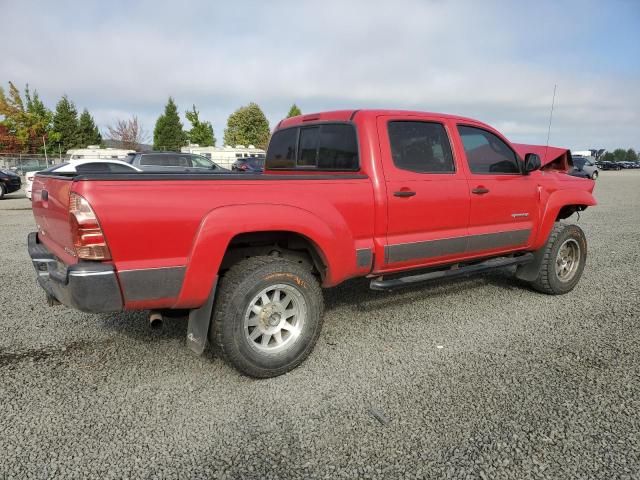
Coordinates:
46 159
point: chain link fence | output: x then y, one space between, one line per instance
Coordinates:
21 163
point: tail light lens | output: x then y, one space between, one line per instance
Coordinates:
88 238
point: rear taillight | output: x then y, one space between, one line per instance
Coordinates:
88 238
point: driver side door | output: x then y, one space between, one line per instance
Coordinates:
504 201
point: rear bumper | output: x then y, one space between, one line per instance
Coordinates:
87 286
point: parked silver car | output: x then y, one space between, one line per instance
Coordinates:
585 165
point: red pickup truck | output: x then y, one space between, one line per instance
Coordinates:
398 197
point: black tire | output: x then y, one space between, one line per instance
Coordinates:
594 176
2 191
238 289
549 280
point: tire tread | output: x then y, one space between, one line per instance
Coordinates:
547 269
229 284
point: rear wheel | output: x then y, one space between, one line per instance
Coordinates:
564 258
2 191
268 316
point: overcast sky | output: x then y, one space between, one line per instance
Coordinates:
495 61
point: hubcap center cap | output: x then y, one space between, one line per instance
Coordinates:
274 320
270 315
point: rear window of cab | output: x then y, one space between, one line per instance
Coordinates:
327 146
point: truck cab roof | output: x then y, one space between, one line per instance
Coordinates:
350 115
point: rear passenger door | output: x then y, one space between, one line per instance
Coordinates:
427 193
504 201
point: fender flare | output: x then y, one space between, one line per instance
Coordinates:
553 205
331 237
555 202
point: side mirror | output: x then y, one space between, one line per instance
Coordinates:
531 162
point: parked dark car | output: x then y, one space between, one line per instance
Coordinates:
9 182
165 162
608 166
249 165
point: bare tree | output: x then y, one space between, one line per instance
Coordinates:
129 133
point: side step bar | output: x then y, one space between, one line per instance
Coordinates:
381 284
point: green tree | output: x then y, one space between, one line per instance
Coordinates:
40 120
632 156
608 157
89 133
201 132
294 111
41 115
619 155
247 126
25 122
168 133
66 132
15 116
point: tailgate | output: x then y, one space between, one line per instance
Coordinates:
50 205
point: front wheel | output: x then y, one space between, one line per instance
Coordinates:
268 316
594 176
2 191
565 254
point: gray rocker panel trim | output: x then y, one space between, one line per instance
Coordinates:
364 257
449 246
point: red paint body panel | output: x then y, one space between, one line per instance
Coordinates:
547 154
51 214
150 224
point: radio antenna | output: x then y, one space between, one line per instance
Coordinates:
553 101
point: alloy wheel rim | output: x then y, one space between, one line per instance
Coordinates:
274 318
567 260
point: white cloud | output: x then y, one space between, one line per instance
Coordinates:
490 60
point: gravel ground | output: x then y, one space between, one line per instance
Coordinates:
474 378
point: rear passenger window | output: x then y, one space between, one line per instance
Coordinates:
154 160
486 153
282 149
421 147
165 160
103 168
308 149
324 147
338 148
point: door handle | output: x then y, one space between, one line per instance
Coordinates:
480 190
404 193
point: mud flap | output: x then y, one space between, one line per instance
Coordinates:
529 272
199 321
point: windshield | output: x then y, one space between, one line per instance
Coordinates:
255 162
579 161
202 162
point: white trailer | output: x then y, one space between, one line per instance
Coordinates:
227 155
95 152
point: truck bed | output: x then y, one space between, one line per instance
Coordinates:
156 222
